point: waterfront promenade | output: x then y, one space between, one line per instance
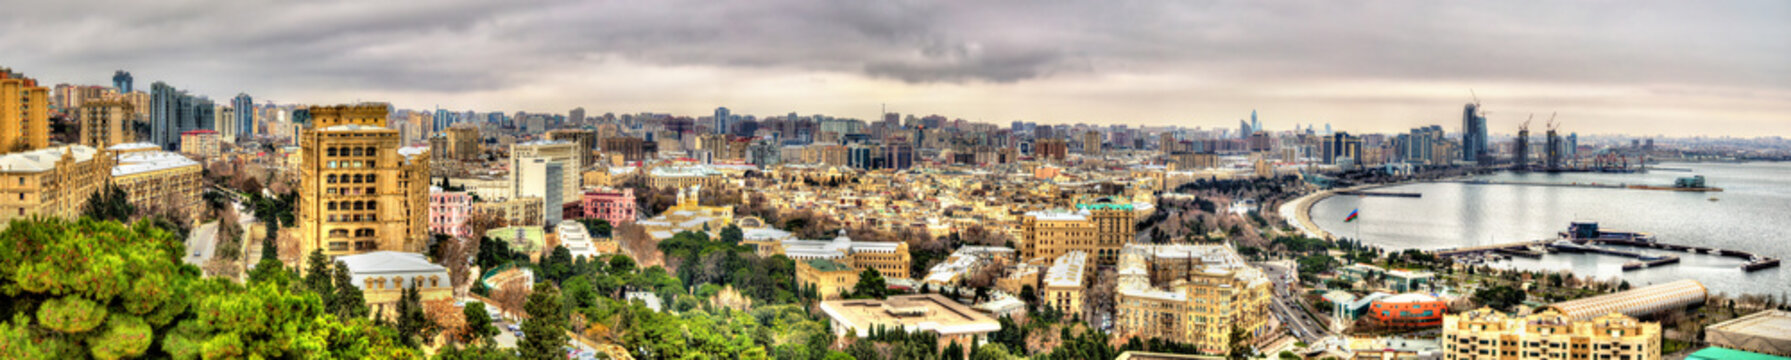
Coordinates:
1299 211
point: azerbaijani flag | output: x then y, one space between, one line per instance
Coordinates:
1352 215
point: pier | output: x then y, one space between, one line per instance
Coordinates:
1638 240
1643 261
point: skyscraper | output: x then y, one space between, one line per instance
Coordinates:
245 116
1473 134
172 111
1254 125
122 80
721 121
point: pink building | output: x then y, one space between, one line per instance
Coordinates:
616 206
448 211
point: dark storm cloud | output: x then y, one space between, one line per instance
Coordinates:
461 46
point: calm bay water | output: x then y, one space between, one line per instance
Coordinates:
1753 214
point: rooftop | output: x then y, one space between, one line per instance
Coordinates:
149 161
828 265
385 262
1769 324
911 313
44 159
1067 271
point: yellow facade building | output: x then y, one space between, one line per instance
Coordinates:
1489 334
53 182
360 190
106 122
1064 283
828 277
24 113
683 176
520 211
155 178
1191 294
1099 229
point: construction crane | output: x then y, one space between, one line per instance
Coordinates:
1552 125
1526 126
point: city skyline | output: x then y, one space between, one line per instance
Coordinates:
1633 68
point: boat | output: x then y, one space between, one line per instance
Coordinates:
1713 199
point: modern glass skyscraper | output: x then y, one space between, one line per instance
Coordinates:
1473 134
172 111
245 116
721 121
122 80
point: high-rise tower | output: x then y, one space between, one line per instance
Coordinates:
122 81
245 116
360 189
24 113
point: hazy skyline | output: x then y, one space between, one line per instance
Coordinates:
1633 67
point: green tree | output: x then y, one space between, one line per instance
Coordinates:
270 248
318 275
478 323
558 265
412 322
99 289
991 351
732 234
870 285
1500 297
110 203
544 333
348 302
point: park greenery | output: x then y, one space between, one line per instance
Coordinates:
103 289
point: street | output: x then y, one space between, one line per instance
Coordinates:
1286 304
201 244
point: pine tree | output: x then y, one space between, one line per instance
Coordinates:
413 323
544 333
348 302
317 275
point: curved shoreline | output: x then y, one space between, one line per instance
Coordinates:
1300 210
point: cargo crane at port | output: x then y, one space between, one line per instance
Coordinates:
1521 162
1554 145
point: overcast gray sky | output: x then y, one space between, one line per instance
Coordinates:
1635 67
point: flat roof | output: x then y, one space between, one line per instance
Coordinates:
148 161
1067 271
911 313
1765 332
827 265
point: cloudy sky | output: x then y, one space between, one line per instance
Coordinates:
1633 67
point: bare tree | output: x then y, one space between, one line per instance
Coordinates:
511 294
454 253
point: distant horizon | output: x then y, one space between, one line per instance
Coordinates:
1639 69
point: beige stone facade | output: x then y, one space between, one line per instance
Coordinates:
24 113
829 278
52 182
159 179
1100 229
1192 294
523 211
1489 334
360 189
106 122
